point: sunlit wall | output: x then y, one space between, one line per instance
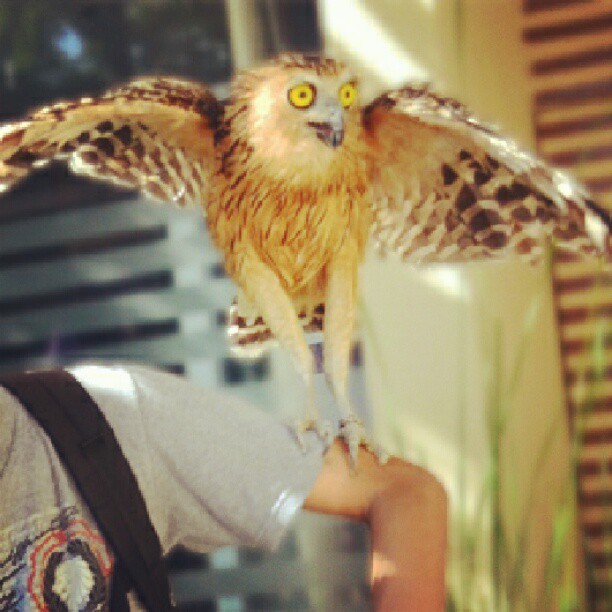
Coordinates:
444 345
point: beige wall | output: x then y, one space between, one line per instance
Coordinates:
430 347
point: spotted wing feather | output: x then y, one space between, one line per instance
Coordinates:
154 134
447 187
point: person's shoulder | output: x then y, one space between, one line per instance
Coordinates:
116 377
113 386
144 387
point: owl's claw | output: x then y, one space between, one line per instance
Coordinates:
323 429
353 432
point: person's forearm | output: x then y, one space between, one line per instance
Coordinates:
406 509
409 537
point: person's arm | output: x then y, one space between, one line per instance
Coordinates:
406 510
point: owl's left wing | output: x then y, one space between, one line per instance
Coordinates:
154 134
446 187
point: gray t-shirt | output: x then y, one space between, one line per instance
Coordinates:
212 469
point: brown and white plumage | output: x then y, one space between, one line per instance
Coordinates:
463 192
294 177
155 134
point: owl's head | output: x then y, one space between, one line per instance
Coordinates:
301 111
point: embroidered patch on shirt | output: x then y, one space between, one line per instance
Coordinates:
54 561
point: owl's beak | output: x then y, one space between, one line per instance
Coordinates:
330 132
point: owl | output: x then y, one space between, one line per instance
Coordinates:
295 177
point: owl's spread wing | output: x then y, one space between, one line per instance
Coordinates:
446 187
153 134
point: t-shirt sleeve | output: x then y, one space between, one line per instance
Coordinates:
213 469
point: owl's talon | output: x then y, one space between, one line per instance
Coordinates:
381 454
353 432
323 429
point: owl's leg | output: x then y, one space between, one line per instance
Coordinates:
263 288
339 322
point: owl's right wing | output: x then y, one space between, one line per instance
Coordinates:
154 134
449 188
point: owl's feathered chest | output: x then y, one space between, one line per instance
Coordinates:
294 230
298 232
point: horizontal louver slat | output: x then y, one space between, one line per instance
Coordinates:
572 61
550 50
584 22
584 78
539 12
129 308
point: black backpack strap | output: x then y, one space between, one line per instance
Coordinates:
89 449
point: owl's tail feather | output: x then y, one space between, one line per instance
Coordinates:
249 339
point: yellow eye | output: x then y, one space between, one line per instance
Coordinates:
302 95
347 94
